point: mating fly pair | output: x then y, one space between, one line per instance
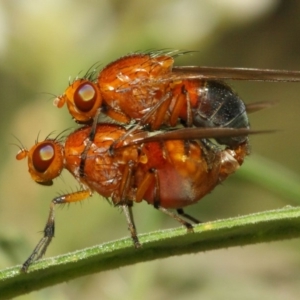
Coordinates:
171 168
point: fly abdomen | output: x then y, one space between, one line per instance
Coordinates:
220 106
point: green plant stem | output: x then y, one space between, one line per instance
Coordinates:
255 228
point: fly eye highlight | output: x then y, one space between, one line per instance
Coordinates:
45 161
42 157
85 97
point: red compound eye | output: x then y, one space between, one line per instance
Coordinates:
42 157
85 97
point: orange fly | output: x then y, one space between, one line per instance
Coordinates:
131 165
169 170
147 88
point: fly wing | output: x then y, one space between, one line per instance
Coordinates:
256 106
190 134
216 73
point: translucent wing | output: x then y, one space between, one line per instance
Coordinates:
189 134
215 73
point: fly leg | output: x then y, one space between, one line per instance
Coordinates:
183 98
49 229
148 179
89 142
187 225
175 216
127 209
126 204
181 212
160 108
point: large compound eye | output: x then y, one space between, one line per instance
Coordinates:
85 97
42 157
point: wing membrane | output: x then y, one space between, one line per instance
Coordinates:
189 134
194 72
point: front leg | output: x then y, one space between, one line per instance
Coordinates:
49 229
89 142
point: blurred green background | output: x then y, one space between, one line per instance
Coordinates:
43 43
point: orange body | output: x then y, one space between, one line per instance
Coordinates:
130 86
169 170
166 170
186 171
143 87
